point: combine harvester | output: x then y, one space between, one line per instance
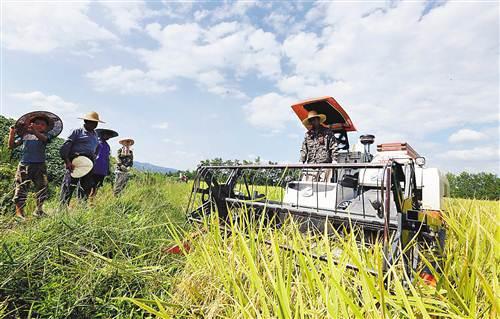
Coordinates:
391 196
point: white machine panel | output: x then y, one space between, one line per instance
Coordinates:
311 194
434 185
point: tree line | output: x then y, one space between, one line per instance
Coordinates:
480 185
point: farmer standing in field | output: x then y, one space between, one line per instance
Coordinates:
101 166
319 146
34 130
79 152
125 162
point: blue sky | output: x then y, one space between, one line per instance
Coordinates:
196 80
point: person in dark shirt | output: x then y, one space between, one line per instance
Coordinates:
101 166
125 161
32 167
81 142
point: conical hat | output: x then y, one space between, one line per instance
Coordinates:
111 133
55 123
82 166
128 139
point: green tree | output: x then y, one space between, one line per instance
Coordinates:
480 185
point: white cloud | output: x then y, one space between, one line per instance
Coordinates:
126 15
466 135
161 126
215 57
126 81
51 103
478 154
69 112
178 9
280 22
427 74
234 9
40 27
270 111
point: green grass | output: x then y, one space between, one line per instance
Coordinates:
75 264
106 261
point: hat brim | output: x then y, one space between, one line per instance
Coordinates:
111 133
54 128
90 119
132 142
322 119
82 166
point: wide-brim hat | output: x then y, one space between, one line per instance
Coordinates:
123 141
91 116
82 166
55 124
313 114
108 131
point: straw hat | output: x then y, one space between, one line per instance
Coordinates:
125 140
313 114
91 116
55 123
82 166
111 133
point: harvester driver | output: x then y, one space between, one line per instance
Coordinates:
319 146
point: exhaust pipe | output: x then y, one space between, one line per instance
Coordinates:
367 140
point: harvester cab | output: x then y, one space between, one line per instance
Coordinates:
389 196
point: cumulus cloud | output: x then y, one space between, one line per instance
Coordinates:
480 153
51 103
41 27
215 57
232 9
430 73
280 22
126 15
68 111
402 70
126 81
466 135
270 111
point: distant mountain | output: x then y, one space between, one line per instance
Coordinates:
153 168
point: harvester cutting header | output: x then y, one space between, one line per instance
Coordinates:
390 196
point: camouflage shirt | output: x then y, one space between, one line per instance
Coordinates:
124 161
319 146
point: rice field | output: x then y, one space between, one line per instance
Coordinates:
107 259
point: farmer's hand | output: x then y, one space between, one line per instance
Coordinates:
70 166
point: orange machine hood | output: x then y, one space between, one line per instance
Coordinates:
336 117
